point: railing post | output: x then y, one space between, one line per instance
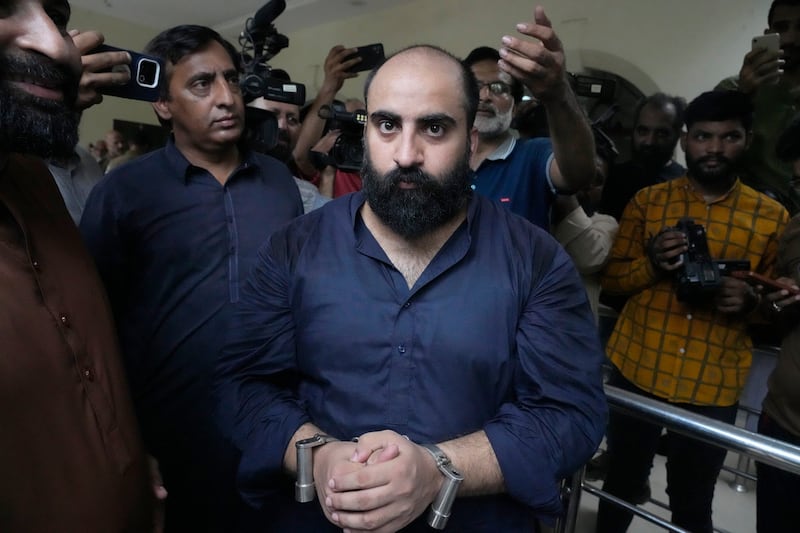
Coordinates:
571 494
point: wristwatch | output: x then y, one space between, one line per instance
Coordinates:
304 490
440 508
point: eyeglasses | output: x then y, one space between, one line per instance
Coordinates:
497 88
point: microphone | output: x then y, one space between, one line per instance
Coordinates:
262 20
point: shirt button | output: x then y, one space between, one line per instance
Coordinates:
401 348
682 350
688 317
88 374
35 264
472 187
407 305
64 320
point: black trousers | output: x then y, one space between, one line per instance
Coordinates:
777 491
692 466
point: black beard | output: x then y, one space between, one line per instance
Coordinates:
282 149
725 173
413 213
32 125
652 157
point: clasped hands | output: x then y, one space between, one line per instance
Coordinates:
380 483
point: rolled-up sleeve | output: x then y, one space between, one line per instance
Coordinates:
255 377
558 415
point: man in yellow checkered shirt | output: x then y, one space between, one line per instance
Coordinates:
691 352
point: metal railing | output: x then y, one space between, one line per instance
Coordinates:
763 449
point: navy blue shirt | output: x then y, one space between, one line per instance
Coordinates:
517 175
496 334
173 245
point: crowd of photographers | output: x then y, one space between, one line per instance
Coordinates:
207 355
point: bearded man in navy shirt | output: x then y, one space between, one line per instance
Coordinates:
413 312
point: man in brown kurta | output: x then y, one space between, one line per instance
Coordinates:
71 459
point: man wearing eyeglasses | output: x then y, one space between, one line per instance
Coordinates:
526 175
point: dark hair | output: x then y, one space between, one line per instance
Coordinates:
788 146
174 44
661 101
716 106
487 53
468 84
775 3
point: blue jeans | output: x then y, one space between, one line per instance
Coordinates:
692 466
777 491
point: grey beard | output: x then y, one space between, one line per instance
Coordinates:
492 127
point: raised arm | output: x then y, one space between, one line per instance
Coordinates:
540 65
335 75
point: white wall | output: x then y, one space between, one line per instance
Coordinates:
678 46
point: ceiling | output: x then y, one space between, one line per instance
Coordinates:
230 15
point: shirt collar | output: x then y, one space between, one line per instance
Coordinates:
184 169
505 148
735 188
451 252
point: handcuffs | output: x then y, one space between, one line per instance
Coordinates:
304 490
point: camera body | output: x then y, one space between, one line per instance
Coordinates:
700 275
348 150
260 42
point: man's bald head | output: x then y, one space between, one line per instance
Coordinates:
412 56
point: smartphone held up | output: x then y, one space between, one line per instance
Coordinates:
371 56
769 41
146 75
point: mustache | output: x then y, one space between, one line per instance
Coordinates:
412 175
40 70
283 135
720 158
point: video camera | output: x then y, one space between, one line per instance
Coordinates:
260 42
348 150
700 275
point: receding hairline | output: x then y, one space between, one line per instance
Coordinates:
462 76
423 50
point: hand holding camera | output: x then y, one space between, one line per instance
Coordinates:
734 296
667 249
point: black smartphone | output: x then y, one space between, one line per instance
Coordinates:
146 76
371 56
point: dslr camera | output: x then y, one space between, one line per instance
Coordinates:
348 150
700 275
